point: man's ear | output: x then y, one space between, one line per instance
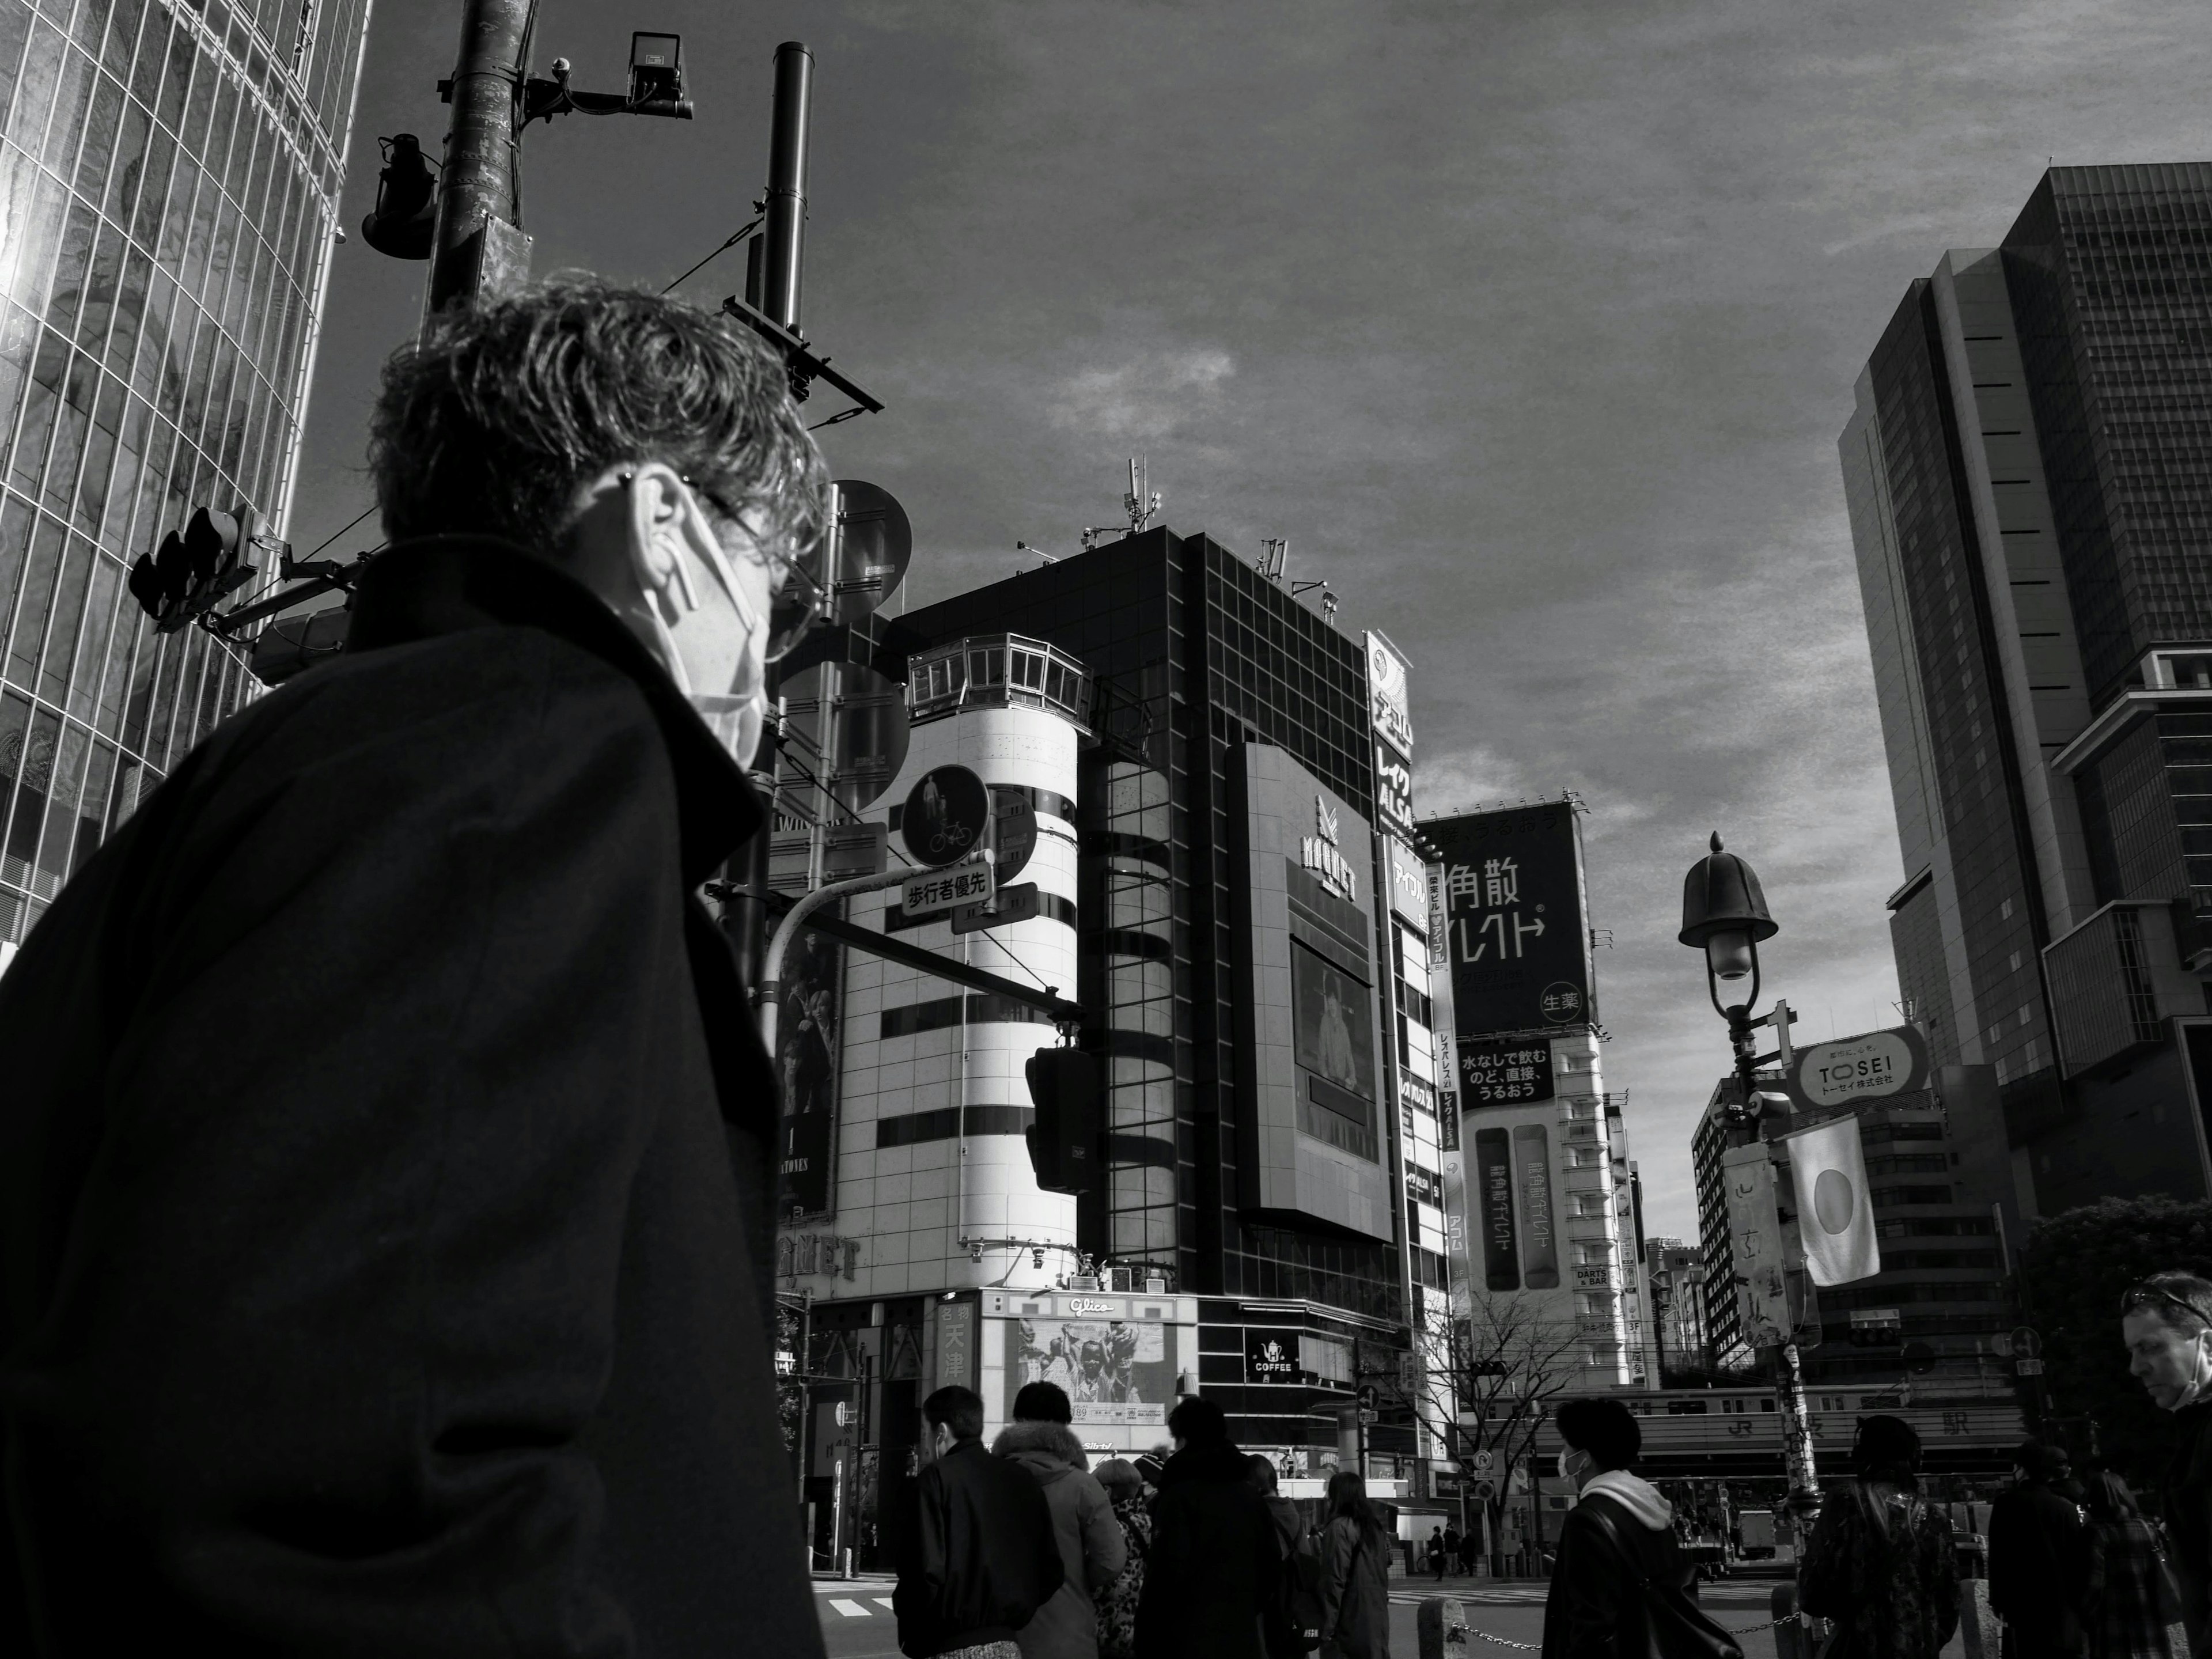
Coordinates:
662 518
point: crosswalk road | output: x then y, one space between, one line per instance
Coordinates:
852 1608
1533 1595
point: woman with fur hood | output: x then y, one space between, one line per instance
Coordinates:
1092 1551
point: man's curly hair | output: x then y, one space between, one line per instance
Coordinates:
493 421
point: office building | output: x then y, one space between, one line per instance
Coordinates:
1675 1270
169 179
2030 489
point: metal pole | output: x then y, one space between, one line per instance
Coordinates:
768 994
784 257
479 242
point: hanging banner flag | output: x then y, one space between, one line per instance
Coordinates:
1755 1243
1835 1212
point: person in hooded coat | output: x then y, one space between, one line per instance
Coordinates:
1355 1573
1213 1575
1618 1539
1880 1559
1091 1550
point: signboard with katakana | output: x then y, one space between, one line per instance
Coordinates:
1501 1074
1516 923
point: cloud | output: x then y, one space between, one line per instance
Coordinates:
1141 399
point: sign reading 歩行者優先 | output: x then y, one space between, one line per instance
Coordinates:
1271 1357
1515 926
943 890
1505 1076
1869 1067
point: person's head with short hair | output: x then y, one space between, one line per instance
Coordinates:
2165 1321
1120 1477
1042 1402
950 1417
650 449
2040 1465
1886 1448
1601 1435
1198 1421
1262 1474
2109 1497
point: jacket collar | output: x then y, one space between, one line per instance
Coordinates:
438 585
1205 1463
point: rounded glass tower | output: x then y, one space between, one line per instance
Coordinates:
169 179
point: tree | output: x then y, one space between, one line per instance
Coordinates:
2076 1268
1488 1379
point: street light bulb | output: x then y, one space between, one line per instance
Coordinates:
1729 955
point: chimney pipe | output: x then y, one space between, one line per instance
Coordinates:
785 253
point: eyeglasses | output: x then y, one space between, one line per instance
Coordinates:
800 599
2144 1296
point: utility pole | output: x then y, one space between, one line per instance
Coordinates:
479 247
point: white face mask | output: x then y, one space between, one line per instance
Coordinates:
735 715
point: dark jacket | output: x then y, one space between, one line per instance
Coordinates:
383 1220
2039 1570
2128 1602
980 1558
2187 1492
1091 1553
1212 1576
1595 1608
1355 1591
1300 1564
1880 1562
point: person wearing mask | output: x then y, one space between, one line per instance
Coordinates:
1620 1576
387 1157
1117 1603
1294 1622
1355 1572
1213 1575
1088 1538
1880 1561
980 1559
2132 1602
2039 1559
2166 1323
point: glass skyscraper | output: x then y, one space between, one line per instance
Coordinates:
2029 474
169 179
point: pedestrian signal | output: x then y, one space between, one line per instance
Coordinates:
406 218
191 571
1064 1139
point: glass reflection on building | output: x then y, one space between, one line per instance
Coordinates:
169 179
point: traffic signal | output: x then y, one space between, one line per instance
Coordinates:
1064 1139
191 571
406 218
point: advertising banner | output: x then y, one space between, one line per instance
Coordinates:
956 1344
1492 1075
1494 1180
1517 927
1271 1357
1389 703
806 1068
1112 1371
1756 1243
1540 1238
1871 1066
1393 789
1331 1027
1455 1207
1409 883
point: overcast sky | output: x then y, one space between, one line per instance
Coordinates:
1531 326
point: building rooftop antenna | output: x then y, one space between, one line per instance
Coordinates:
1274 558
1141 504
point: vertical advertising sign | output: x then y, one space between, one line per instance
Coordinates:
806 1068
1388 711
1517 923
1440 999
1493 1174
1755 1241
1539 1236
1455 1240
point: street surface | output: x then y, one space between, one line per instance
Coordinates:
856 1622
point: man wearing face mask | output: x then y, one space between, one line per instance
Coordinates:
384 1180
2166 1323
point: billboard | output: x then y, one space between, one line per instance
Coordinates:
1113 1371
1516 1212
1333 1032
1501 1073
1516 925
806 1069
1389 703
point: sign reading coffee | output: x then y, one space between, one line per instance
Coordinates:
1271 1357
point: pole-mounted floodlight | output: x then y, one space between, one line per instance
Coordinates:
1724 914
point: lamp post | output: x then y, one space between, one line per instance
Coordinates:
1724 915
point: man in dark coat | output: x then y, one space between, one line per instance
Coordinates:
1620 1530
981 1557
383 1201
2166 1323
2039 1560
1211 1579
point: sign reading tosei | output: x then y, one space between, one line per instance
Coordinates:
1868 1067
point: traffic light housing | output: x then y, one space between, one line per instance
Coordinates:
1064 1140
192 571
405 221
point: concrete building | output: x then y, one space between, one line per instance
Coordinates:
1675 1270
2031 499
169 179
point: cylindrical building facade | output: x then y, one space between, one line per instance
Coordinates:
169 179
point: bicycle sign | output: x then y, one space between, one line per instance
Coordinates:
944 817
946 889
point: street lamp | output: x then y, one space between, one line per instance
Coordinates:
1724 915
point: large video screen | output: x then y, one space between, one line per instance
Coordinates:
1333 1025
